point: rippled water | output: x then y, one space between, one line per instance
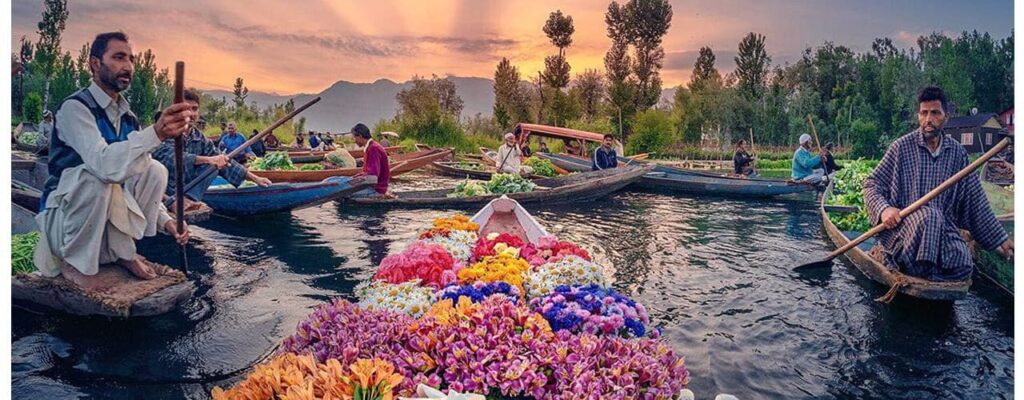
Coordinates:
715 273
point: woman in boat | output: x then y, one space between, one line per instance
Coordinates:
742 161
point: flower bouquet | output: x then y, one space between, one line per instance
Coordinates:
428 262
407 297
570 270
593 310
505 267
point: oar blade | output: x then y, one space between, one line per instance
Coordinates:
815 265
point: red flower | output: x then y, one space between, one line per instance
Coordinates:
425 261
485 247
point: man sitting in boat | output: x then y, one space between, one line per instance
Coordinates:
829 161
510 157
543 147
234 139
806 166
742 161
104 190
927 244
375 160
198 153
604 156
271 141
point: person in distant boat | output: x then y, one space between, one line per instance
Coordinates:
619 149
806 166
927 243
573 148
258 148
375 160
104 189
829 161
271 141
314 141
234 139
198 153
742 161
300 141
223 131
605 156
527 153
45 129
328 141
510 157
543 147
384 141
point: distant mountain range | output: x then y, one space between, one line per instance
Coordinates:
345 103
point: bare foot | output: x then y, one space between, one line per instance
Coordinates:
189 206
139 267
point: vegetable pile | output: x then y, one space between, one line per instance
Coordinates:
848 190
541 166
416 326
22 247
311 167
499 184
30 138
273 161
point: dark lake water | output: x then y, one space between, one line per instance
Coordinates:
715 273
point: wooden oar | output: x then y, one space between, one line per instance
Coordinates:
821 153
179 164
752 153
912 207
210 170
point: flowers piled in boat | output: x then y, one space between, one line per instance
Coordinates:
458 243
564 271
574 339
478 291
427 261
550 249
290 376
503 267
485 246
407 297
593 310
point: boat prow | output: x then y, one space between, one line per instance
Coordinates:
861 258
507 215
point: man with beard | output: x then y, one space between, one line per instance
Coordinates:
104 190
927 243
198 153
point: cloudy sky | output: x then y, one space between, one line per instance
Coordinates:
305 46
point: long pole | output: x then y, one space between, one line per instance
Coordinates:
210 170
752 147
179 163
953 180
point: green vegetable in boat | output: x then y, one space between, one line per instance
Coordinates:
509 183
311 167
469 188
22 247
274 161
848 190
541 166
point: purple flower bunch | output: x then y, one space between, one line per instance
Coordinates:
602 367
594 310
479 291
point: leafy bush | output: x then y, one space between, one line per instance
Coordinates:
651 132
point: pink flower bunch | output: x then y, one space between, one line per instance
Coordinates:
591 367
429 262
485 247
550 249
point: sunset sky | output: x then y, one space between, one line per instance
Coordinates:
305 46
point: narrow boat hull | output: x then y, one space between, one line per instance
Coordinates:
401 164
281 197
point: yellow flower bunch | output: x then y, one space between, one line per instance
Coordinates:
445 312
503 267
300 377
458 222
502 248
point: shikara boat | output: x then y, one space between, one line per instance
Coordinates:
118 292
695 182
505 215
460 170
31 148
862 258
307 156
281 197
401 164
29 197
563 189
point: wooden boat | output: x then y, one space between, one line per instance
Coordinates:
505 215
119 294
457 170
990 264
401 164
307 156
861 258
40 150
696 182
280 197
563 189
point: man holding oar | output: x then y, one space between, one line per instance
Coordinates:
103 192
927 243
199 152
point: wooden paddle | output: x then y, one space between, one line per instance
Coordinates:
210 170
752 153
821 153
179 164
911 208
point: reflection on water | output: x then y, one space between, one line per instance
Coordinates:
715 273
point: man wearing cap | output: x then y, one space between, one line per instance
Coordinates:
198 152
927 243
806 165
45 129
510 157
375 160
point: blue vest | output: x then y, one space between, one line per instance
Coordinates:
63 156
